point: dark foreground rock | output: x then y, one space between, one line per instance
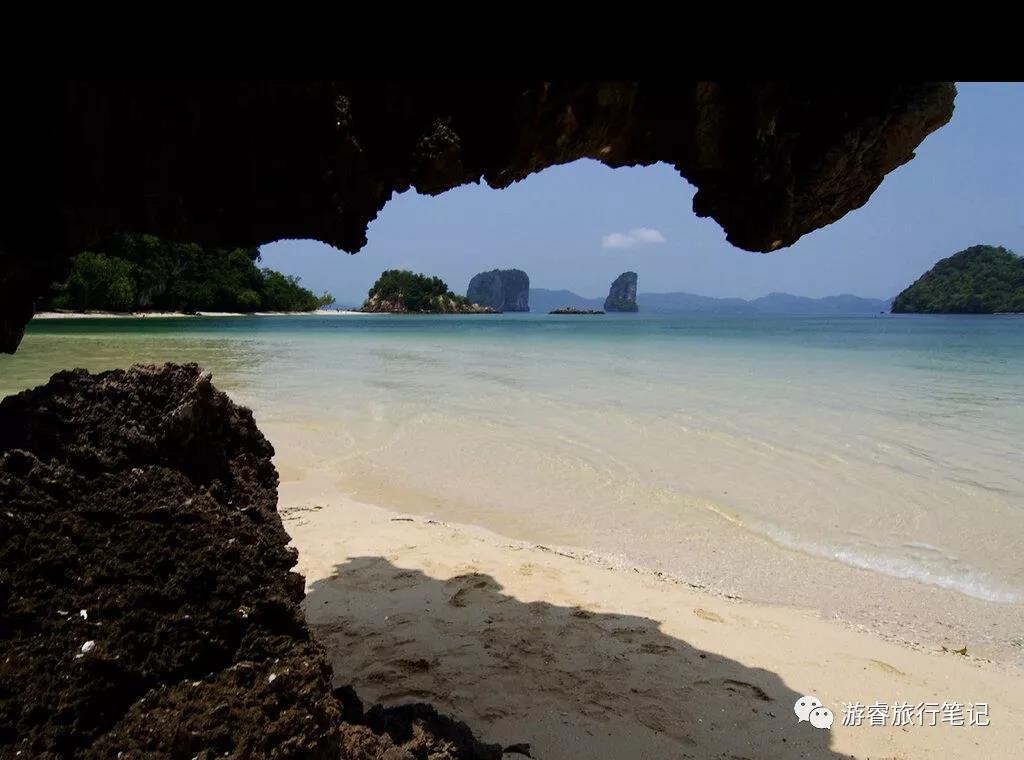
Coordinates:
622 293
148 603
242 163
501 289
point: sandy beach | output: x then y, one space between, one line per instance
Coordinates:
169 314
577 658
813 520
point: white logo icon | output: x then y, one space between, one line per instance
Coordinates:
809 708
804 705
822 717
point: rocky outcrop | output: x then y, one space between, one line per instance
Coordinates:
437 305
622 294
501 289
149 607
575 310
240 163
982 279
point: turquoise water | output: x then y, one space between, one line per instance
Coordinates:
890 443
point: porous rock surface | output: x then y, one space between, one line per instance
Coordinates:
241 163
147 600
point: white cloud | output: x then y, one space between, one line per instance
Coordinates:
635 237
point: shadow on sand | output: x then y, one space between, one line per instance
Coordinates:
569 682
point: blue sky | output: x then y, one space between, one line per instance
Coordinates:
578 226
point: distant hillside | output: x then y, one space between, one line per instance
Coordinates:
982 279
689 303
784 303
543 300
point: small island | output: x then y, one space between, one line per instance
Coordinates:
982 279
622 293
399 291
574 310
501 289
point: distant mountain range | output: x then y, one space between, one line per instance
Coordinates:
543 300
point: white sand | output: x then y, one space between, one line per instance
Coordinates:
580 659
124 315
165 314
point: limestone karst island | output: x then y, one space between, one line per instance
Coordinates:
480 419
403 292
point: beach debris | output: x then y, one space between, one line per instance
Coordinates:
271 678
88 647
84 615
704 614
962 652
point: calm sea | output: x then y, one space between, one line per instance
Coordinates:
890 443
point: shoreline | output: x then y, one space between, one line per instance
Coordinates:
722 557
174 314
503 634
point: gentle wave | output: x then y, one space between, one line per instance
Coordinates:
972 583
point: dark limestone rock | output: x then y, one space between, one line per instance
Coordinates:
147 499
501 289
240 163
575 310
147 600
622 294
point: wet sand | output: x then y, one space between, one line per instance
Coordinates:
576 657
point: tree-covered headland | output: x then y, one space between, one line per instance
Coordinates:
146 273
982 279
399 290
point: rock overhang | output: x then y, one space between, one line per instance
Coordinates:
246 163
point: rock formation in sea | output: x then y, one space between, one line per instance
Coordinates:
501 289
574 310
399 291
148 601
622 294
438 305
241 163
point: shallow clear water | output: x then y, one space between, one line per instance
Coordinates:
892 443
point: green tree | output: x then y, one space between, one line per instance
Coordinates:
143 272
982 279
413 292
99 282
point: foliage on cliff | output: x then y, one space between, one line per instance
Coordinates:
399 290
145 273
982 279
